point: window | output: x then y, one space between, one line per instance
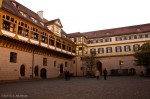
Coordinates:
100 41
100 50
127 38
35 36
118 48
23 29
108 40
58 43
127 48
143 36
148 35
6 25
132 37
44 61
122 38
66 64
20 30
51 40
69 48
93 50
63 46
44 37
81 48
136 47
138 36
108 49
118 38
13 57
94 41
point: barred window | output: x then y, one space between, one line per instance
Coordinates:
13 57
44 61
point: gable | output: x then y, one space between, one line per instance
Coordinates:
57 22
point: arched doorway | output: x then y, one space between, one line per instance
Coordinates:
36 71
22 70
43 73
61 68
99 67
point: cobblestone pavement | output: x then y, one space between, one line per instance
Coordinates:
123 87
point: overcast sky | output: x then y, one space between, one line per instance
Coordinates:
92 15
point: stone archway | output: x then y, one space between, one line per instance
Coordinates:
22 70
36 71
43 73
99 67
61 69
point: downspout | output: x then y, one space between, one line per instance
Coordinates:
76 66
32 63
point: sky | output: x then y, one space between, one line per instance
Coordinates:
92 15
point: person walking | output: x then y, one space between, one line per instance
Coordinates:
105 73
65 73
97 74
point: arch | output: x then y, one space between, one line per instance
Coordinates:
99 67
61 68
43 73
36 71
22 70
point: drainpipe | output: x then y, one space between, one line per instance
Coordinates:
32 63
76 65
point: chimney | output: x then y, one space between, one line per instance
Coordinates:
40 13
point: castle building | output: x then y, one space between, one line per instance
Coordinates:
114 48
33 47
30 45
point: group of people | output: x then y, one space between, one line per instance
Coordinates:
97 74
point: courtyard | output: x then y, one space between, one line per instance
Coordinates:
121 87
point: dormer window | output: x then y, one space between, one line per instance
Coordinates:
34 20
42 23
138 30
14 4
107 33
23 14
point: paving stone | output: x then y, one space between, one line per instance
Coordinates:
122 87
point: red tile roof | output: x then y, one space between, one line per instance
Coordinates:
118 31
9 7
77 34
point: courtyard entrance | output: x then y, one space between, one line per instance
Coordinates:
43 73
22 70
99 67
